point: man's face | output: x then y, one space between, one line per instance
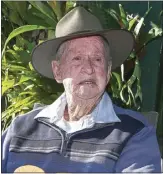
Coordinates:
83 68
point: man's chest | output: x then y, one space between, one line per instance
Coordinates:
90 151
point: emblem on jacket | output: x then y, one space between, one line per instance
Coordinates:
29 168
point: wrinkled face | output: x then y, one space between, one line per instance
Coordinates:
83 68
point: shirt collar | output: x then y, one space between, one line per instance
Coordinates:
103 113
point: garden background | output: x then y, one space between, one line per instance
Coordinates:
137 84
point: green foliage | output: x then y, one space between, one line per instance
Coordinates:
20 30
21 85
25 24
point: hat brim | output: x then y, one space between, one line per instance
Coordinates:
121 43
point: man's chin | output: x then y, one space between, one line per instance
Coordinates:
87 95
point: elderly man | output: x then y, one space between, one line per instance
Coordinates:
82 131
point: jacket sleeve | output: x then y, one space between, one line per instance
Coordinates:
5 140
141 154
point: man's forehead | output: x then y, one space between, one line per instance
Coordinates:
88 38
83 40
84 45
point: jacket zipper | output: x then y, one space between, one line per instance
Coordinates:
80 132
88 130
58 130
66 137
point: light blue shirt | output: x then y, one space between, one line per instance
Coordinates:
103 113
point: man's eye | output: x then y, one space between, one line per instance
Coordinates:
76 58
98 59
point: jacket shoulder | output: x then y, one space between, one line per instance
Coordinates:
132 115
25 123
132 121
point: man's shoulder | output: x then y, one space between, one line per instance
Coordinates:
129 114
26 121
133 121
31 114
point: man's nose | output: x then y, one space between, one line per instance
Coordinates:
87 67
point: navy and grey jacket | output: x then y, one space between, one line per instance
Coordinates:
126 146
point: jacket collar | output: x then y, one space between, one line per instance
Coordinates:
103 113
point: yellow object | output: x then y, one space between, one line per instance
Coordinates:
29 168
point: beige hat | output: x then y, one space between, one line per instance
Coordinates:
79 23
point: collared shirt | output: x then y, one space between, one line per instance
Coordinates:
103 113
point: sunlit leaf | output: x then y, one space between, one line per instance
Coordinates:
6 85
123 17
132 22
138 27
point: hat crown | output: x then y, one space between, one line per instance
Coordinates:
77 20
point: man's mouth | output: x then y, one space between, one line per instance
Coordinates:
89 82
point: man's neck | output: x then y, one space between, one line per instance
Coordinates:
77 107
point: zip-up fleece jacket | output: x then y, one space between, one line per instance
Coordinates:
126 146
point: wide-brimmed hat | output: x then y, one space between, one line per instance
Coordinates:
80 23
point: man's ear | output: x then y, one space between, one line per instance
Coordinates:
108 76
56 71
109 71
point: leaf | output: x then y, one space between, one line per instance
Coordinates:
29 87
21 8
35 17
128 86
23 78
132 55
13 53
122 12
137 73
138 27
147 12
7 85
29 93
122 72
25 57
15 18
20 55
15 108
132 22
30 66
156 30
140 23
122 94
69 5
118 78
21 30
17 11
123 17
115 15
10 5
16 68
23 102
51 34
59 8
132 95
44 9
23 43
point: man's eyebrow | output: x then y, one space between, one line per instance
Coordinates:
74 51
68 51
